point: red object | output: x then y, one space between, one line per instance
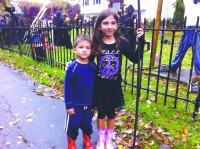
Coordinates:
47 46
87 142
42 36
71 143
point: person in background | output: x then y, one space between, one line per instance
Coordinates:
78 91
2 23
58 22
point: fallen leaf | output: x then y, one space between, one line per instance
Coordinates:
159 130
176 137
196 127
129 125
198 146
40 92
120 147
31 114
184 136
178 113
184 130
166 133
7 143
148 101
62 98
20 142
152 143
184 139
146 126
172 89
1 127
142 123
29 120
19 137
129 131
157 114
141 144
12 123
167 141
168 120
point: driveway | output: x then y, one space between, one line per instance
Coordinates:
29 120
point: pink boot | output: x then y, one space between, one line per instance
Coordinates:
101 139
109 136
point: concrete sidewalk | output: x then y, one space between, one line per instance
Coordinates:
28 120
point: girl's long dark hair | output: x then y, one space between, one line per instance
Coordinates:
98 35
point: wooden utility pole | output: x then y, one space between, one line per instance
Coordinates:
156 33
122 6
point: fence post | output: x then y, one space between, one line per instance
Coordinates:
197 104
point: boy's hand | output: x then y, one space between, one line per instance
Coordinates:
140 32
70 111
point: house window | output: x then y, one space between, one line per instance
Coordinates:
96 2
85 2
116 6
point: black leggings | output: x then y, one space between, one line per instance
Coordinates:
109 113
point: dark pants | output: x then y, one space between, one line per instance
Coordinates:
185 43
81 119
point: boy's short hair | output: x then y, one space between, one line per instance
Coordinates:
82 37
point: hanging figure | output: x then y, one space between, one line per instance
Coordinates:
61 31
15 20
58 22
192 8
127 25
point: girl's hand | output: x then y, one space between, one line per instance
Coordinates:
67 65
140 32
70 111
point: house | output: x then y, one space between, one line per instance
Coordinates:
73 1
148 7
92 7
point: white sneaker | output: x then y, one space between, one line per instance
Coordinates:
101 139
109 144
100 145
193 88
109 137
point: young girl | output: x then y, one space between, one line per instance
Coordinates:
109 47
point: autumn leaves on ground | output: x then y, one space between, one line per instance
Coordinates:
159 126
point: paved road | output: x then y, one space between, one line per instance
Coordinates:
28 120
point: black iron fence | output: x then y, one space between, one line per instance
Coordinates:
53 46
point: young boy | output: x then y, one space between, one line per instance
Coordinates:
78 91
